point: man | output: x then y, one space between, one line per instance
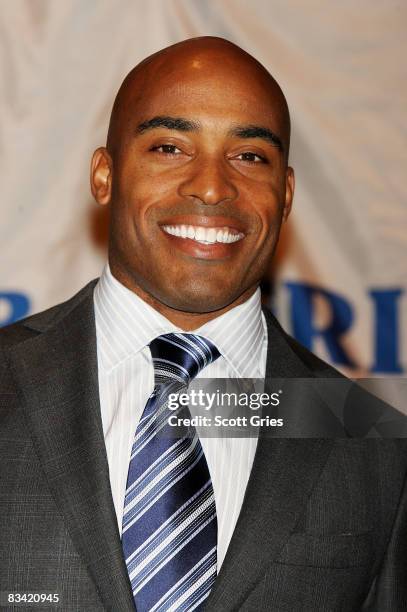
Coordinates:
196 174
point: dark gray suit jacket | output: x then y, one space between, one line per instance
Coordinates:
323 524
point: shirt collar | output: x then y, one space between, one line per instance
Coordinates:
125 324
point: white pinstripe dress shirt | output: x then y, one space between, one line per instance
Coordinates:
125 325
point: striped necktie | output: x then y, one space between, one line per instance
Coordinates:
169 522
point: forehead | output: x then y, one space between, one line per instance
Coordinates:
225 91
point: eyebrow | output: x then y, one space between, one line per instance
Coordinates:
187 125
171 123
255 131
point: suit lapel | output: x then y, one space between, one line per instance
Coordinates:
57 373
283 475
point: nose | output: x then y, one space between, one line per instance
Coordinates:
208 182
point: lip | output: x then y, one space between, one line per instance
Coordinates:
216 251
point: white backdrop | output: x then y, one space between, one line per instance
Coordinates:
342 67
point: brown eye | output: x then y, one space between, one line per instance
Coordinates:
168 149
249 156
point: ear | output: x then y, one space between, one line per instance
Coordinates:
289 192
101 174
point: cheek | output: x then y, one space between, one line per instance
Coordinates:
267 207
146 189
135 207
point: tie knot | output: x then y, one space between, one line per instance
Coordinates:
181 356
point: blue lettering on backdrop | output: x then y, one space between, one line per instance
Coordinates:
386 324
19 306
386 332
303 319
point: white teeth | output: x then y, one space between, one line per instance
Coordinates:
211 235
200 234
204 235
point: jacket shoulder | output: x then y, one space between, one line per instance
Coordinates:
30 326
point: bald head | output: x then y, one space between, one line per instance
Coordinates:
194 68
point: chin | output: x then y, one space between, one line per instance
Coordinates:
199 299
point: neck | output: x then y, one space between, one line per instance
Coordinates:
187 321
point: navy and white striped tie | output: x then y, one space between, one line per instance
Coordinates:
169 520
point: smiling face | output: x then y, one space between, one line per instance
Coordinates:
197 178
